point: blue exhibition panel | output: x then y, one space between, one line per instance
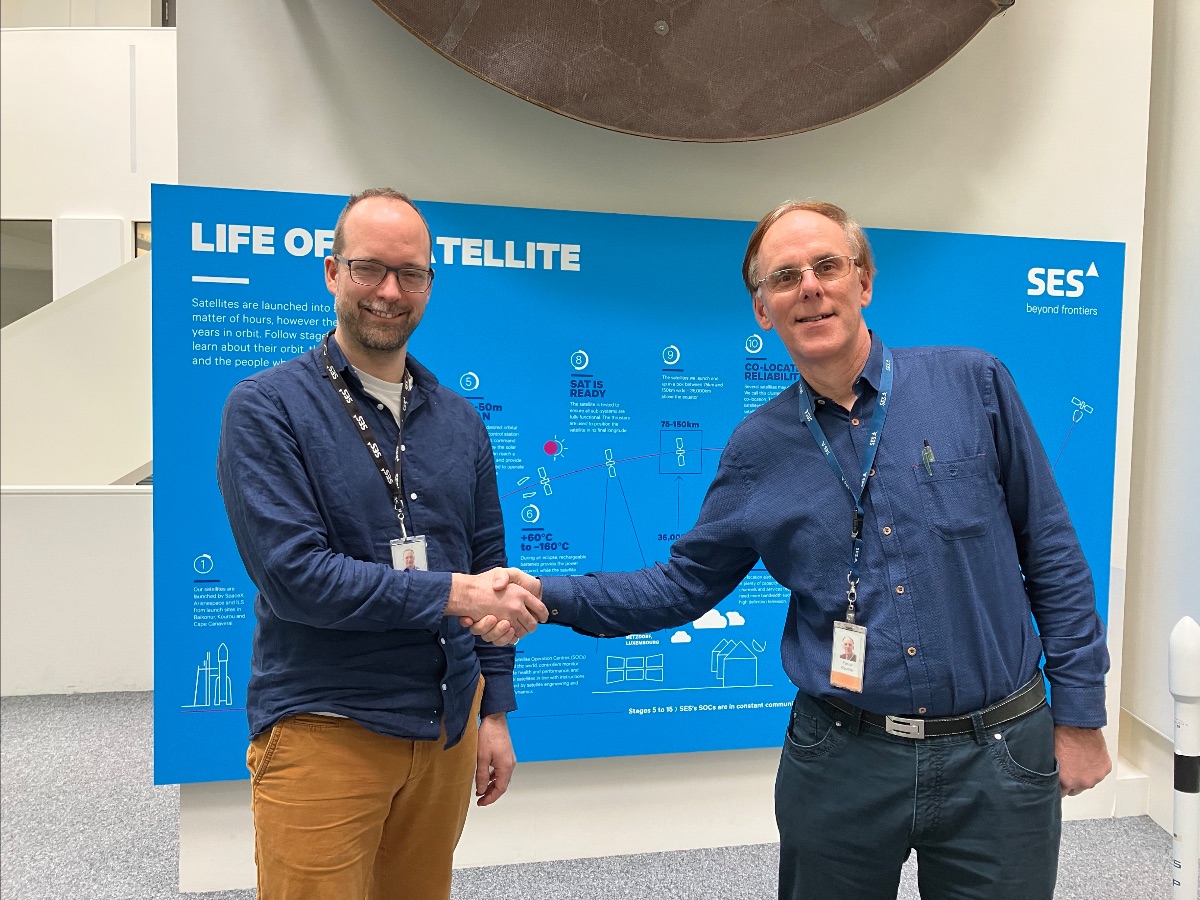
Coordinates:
610 357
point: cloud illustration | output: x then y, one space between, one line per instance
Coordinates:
736 618
681 637
711 619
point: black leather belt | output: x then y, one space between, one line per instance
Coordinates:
1016 705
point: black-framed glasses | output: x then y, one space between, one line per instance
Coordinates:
829 269
369 273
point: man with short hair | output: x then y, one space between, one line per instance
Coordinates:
906 502
848 653
371 708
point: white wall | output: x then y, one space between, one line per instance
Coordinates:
75 590
1038 127
1165 514
75 386
83 250
77 13
89 123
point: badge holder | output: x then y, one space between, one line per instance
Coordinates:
849 650
410 553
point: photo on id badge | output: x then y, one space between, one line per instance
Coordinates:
849 654
409 553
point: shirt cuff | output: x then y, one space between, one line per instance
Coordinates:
559 598
1079 707
498 695
426 598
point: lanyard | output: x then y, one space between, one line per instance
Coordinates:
868 460
390 477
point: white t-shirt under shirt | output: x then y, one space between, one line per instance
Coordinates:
384 391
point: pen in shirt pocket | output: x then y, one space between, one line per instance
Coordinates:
927 458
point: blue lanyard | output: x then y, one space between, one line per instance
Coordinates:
868 461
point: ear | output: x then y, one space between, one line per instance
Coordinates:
331 267
760 311
865 283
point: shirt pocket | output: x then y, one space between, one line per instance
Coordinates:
956 497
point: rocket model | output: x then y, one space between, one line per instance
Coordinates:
1184 682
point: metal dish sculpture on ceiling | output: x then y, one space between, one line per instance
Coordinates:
699 70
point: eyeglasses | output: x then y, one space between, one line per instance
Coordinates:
829 269
369 273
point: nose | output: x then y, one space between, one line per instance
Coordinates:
810 284
390 286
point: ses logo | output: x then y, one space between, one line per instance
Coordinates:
1058 282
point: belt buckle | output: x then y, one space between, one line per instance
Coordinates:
909 728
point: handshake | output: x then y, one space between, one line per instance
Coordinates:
500 606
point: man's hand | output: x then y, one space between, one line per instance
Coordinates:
495 759
476 597
495 629
1082 758
515 576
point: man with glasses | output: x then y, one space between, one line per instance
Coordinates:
372 709
906 502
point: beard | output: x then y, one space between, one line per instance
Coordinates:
385 336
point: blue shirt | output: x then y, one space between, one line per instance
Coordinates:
338 628
952 565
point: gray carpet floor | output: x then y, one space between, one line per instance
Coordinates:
80 818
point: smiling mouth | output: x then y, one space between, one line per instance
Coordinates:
812 319
386 315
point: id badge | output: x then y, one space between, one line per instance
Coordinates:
410 553
849 655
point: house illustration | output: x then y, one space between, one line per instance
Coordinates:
734 664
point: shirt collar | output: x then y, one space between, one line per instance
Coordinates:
872 372
423 379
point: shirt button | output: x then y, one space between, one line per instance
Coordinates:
443 641
854 421
379 406
412 496
554 612
887 529
912 651
921 710
899 589
872 472
401 448
820 403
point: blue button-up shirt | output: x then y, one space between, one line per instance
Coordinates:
339 629
953 563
